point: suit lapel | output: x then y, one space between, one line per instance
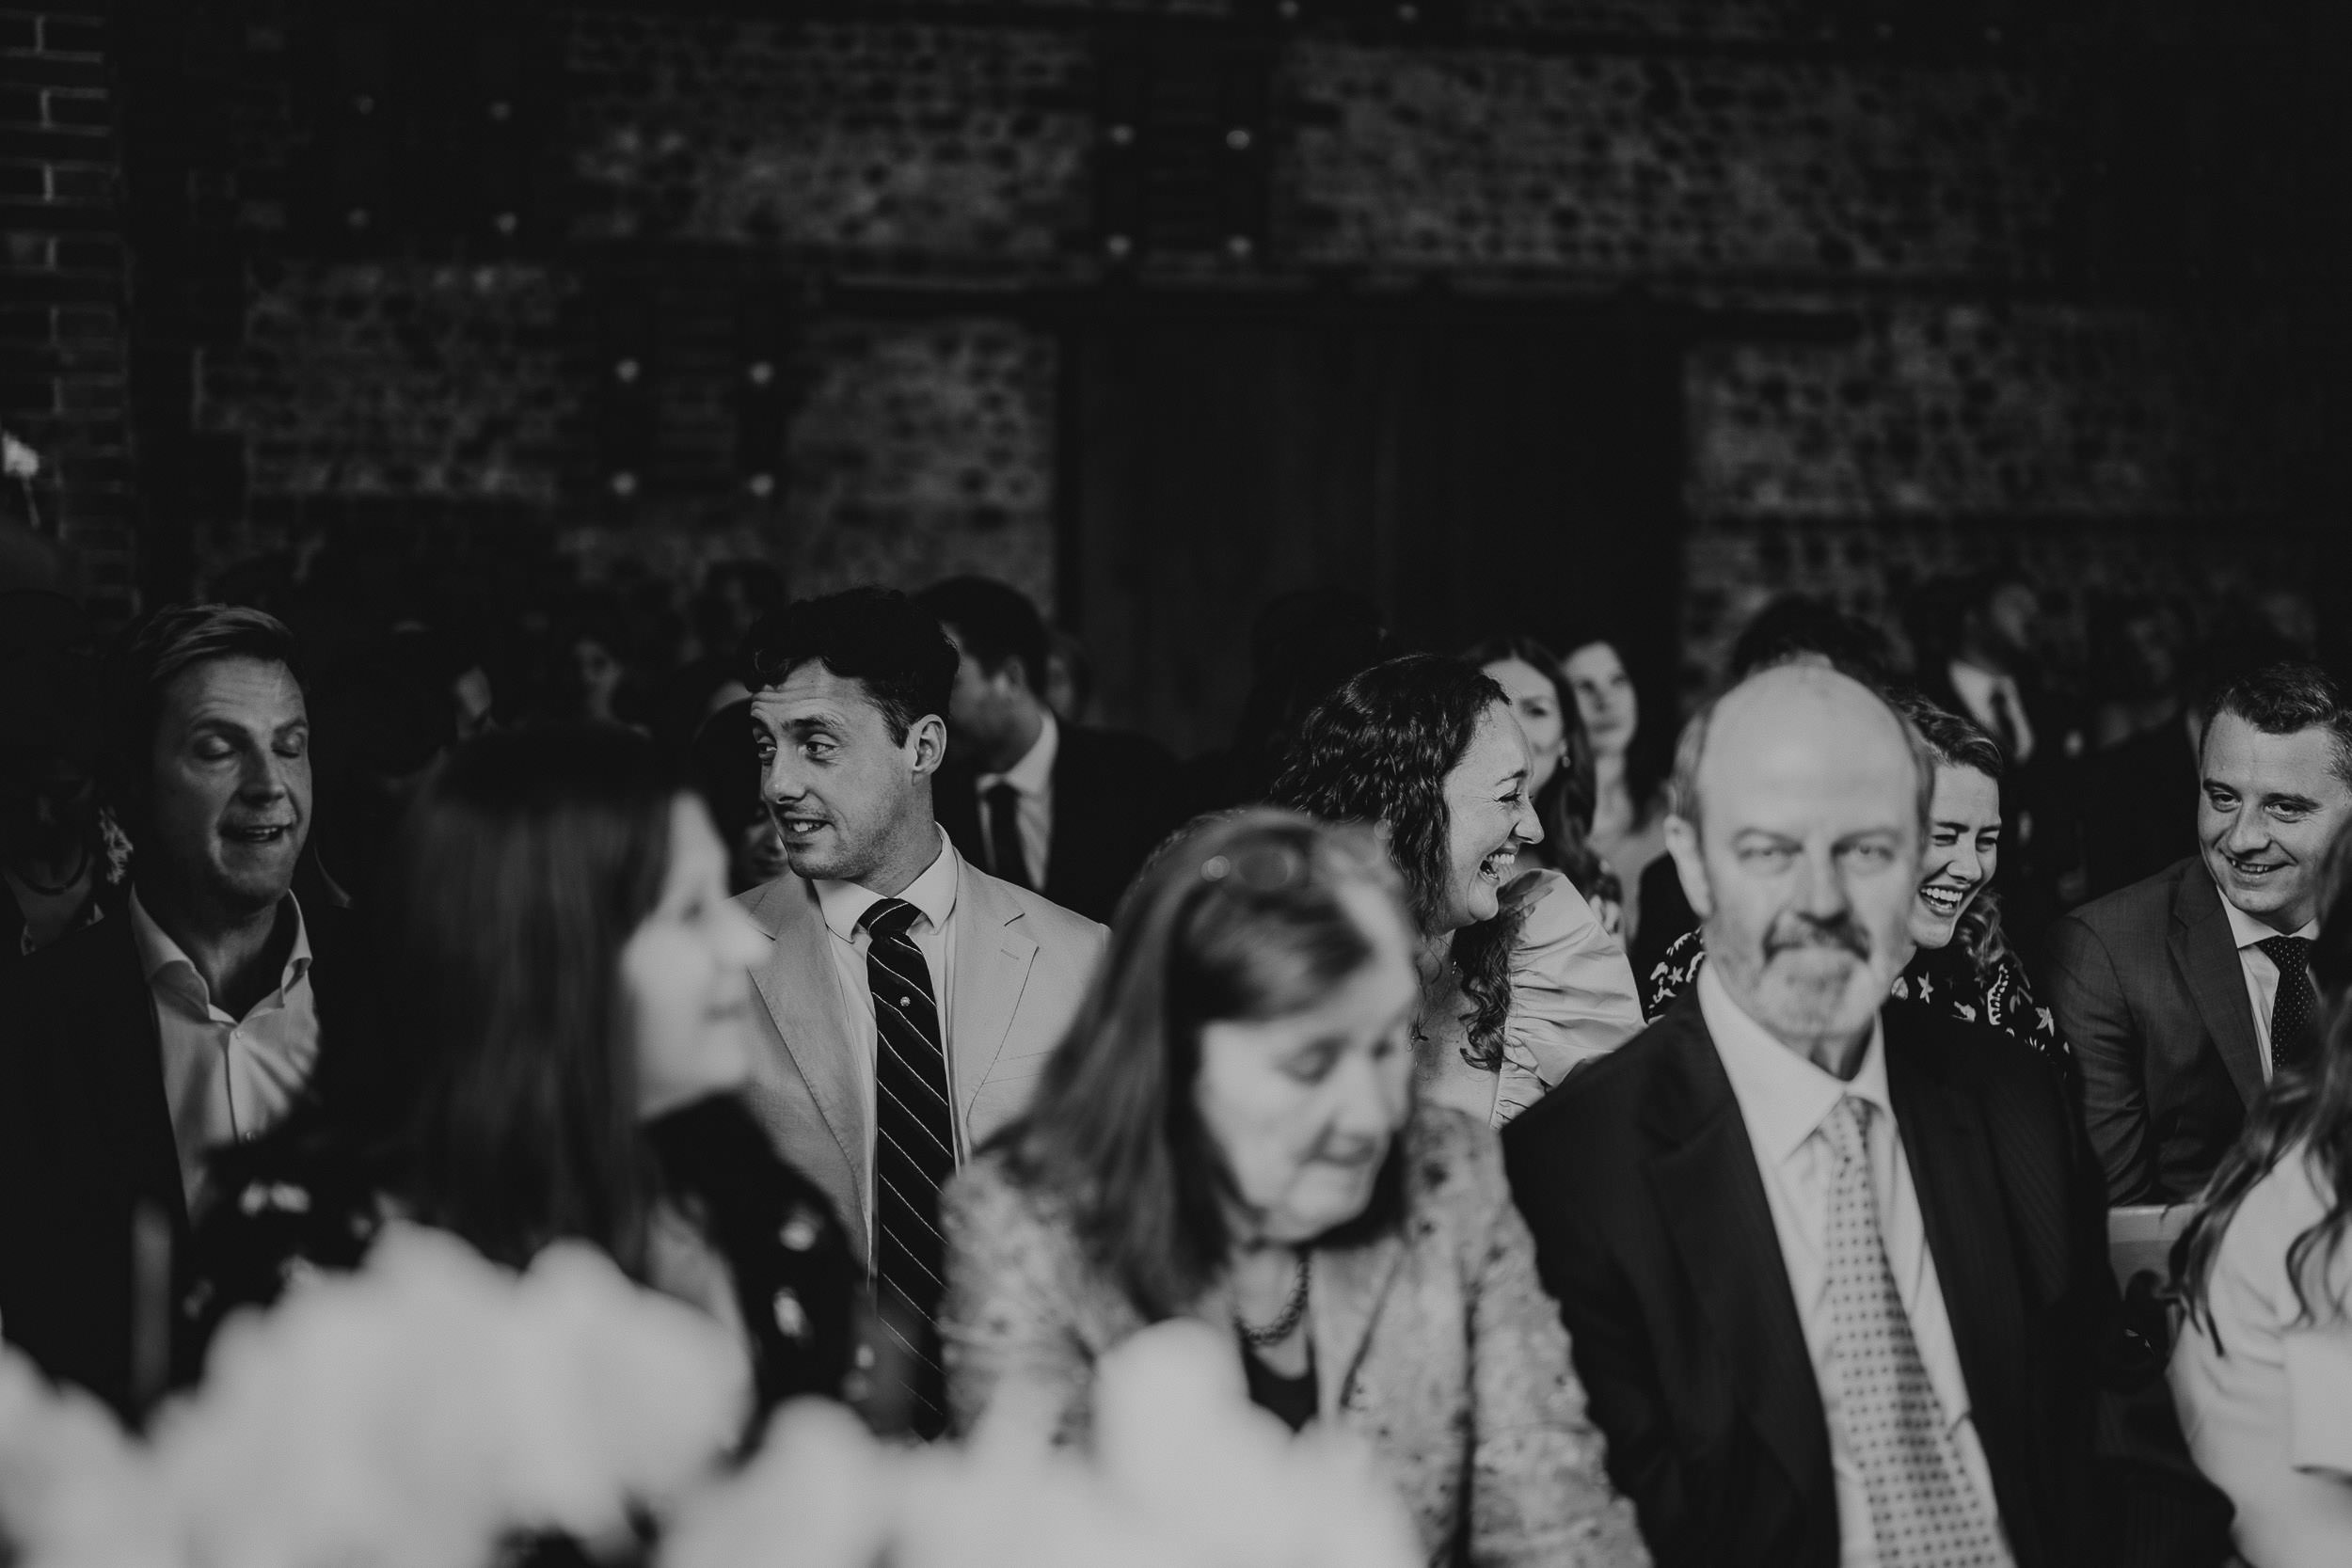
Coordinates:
993 959
2205 952
130 1071
1702 1168
1964 1212
802 994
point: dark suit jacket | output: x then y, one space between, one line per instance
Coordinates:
1114 800
86 1142
1653 1232
2146 986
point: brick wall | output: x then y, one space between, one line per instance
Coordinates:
62 359
2080 313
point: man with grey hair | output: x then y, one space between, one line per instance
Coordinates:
1824 1315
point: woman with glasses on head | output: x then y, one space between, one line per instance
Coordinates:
2262 1372
1519 982
1228 1133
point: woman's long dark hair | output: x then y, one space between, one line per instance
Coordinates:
1957 742
2306 1113
1564 804
1378 750
1237 917
477 1067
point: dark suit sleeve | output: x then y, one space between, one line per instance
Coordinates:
2086 993
1608 1341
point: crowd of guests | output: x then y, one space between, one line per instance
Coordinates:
1687 1157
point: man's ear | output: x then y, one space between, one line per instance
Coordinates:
1682 843
926 743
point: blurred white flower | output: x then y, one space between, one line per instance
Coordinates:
418 1411
16 460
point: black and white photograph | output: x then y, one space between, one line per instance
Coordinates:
1175 784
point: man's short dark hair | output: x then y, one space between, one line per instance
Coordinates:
2288 697
159 650
876 636
994 622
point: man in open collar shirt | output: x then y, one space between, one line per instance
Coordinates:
132 1049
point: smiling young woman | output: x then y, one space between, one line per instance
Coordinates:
1963 964
1519 981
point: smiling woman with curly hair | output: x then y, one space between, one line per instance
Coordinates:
1519 982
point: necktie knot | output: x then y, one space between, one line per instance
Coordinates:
1847 1129
2290 954
888 917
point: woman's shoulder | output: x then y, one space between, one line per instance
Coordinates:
991 1204
1552 914
1452 1159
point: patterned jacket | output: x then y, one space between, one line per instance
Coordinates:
1432 1340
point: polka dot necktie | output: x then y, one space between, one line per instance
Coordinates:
2292 1012
914 1153
1924 1514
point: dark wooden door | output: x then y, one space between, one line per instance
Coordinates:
1470 469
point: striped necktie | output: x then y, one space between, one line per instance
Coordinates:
1924 1512
914 1151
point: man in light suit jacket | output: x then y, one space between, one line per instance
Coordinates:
912 999
2183 993
1834 1268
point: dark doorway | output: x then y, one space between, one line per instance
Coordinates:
1469 469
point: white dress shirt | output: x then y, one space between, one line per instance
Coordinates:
1033 776
1975 689
1784 1100
225 1079
933 895
2262 975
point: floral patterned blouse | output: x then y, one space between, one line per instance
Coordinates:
1945 978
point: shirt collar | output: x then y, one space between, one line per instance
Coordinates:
1783 1097
1034 773
2246 931
933 893
158 952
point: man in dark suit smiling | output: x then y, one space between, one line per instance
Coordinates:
1822 1314
2184 993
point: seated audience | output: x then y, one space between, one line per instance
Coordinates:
549 1019
1043 804
908 998
1519 982
1963 966
135 1047
2183 993
1629 800
2262 1371
1562 754
1229 1133
1834 1273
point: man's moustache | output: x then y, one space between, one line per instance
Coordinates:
1841 934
